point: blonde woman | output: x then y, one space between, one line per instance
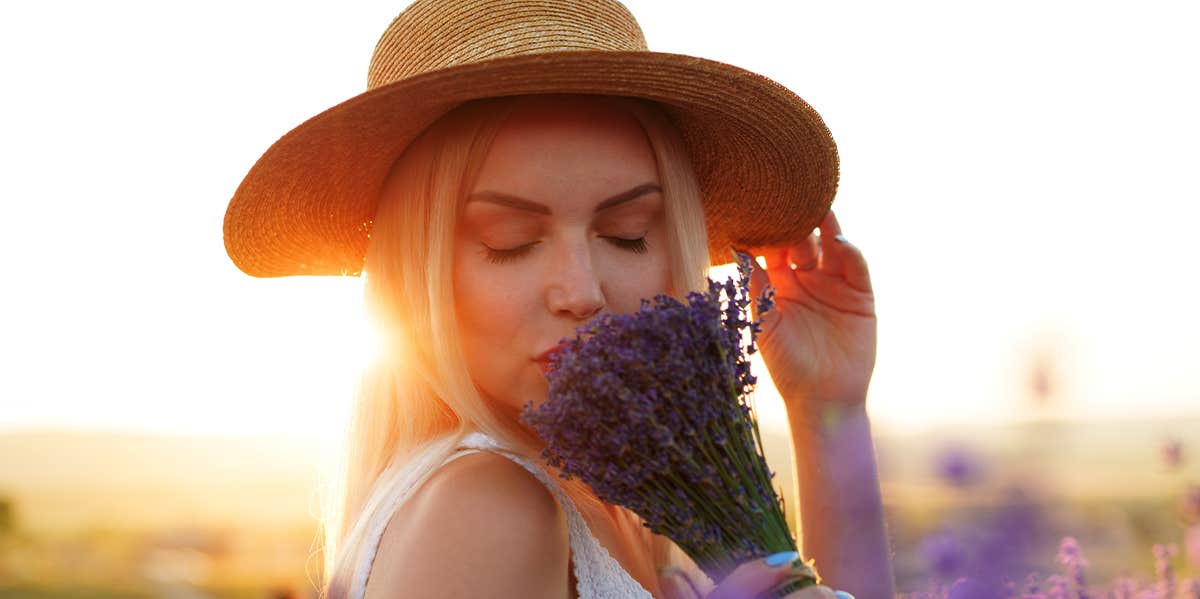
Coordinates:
515 169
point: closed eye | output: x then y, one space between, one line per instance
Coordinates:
496 256
636 245
504 256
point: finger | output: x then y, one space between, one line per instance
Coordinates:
779 269
806 254
675 587
831 236
841 258
854 266
751 579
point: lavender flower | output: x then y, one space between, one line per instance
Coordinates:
1071 556
959 465
1072 585
946 555
1060 587
1172 454
1124 588
1163 554
653 411
1031 588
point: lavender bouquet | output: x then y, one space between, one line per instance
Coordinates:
652 410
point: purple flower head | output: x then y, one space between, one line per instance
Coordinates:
1060 587
1172 454
1124 588
959 465
1009 539
1069 552
1031 588
945 554
1163 556
994 551
1071 556
653 410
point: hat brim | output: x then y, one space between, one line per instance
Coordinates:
766 163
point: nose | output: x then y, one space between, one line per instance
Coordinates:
574 290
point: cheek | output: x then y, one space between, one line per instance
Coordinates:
628 280
494 313
490 312
474 297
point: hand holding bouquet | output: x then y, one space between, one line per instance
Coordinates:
653 410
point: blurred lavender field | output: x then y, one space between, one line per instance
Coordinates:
108 515
1073 499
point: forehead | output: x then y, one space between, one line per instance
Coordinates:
565 110
549 144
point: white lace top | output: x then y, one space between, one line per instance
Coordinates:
598 575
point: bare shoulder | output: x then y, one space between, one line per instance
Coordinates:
482 525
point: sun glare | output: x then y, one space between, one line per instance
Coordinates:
316 347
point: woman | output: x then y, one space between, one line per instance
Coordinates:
506 178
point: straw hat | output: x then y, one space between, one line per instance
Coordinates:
766 163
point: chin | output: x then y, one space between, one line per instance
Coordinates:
526 388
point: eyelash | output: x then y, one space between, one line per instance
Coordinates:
496 256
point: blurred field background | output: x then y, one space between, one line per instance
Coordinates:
1019 175
122 515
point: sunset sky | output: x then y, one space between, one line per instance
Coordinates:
1021 176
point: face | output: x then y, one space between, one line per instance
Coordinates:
564 222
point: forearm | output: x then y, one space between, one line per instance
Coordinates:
841 510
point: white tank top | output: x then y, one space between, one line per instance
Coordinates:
598 575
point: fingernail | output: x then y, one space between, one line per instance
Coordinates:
778 559
843 595
840 239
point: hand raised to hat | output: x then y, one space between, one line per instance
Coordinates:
818 342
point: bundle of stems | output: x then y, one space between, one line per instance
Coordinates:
654 411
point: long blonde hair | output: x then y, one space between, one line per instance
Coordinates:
417 401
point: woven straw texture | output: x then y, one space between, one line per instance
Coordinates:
766 163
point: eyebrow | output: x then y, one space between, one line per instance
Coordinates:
502 199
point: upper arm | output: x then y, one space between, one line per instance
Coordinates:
482 526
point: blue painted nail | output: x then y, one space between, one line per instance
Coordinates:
843 595
779 559
839 237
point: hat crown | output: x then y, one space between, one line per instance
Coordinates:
435 34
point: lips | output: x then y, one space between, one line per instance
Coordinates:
543 359
545 356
